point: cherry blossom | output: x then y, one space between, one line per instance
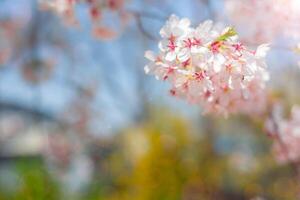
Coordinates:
66 10
263 21
8 31
208 66
286 134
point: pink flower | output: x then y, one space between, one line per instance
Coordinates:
209 67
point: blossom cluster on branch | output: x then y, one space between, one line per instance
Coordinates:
263 21
66 9
207 65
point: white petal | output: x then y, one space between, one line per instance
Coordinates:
185 22
150 55
206 26
177 31
162 45
180 80
170 56
230 84
183 55
262 50
149 68
164 32
219 62
173 18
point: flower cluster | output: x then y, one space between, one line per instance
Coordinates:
97 9
286 134
263 21
207 65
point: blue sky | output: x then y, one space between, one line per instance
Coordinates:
98 61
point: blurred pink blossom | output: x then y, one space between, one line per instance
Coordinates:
286 134
104 33
66 9
8 32
263 21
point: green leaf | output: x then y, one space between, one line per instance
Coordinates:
229 33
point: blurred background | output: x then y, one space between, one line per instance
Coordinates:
79 119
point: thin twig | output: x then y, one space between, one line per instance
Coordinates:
144 14
138 16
